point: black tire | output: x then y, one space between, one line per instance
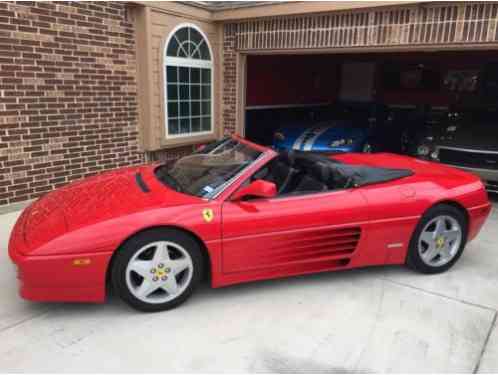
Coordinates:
131 247
414 260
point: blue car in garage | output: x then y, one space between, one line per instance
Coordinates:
327 136
348 128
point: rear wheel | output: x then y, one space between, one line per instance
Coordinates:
439 240
157 270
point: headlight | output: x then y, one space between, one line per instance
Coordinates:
423 150
338 143
435 155
342 142
279 136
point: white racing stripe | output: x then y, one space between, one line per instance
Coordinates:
299 141
313 136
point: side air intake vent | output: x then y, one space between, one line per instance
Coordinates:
337 243
299 251
325 243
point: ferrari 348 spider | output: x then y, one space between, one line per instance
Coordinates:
235 212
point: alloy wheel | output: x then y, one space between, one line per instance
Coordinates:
439 241
159 272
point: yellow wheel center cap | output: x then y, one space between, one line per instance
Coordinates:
440 242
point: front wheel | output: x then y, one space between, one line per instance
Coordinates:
438 240
157 270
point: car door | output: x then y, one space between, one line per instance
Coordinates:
288 231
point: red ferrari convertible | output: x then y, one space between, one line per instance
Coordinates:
238 212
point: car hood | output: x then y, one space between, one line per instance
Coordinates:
320 135
92 200
471 136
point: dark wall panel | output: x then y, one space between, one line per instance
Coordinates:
285 80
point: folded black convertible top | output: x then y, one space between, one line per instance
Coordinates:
361 175
345 175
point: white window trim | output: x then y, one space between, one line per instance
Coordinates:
189 63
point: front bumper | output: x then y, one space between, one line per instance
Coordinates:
58 278
64 278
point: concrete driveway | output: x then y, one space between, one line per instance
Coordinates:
379 319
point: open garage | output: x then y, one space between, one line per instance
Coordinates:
400 101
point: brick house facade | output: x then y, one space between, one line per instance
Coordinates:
82 84
68 96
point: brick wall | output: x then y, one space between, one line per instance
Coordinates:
443 23
68 103
171 153
228 100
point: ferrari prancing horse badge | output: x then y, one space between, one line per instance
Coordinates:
207 214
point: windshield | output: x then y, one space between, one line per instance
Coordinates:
207 171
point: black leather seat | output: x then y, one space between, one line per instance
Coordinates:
308 183
299 172
287 157
280 174
314 177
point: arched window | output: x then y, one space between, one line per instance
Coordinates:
189 82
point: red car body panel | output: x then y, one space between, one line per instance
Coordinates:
64 242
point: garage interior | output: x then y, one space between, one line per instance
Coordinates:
407 88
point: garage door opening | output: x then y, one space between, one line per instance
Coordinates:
385 93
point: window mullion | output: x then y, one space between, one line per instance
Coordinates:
180 46
197 48
188 39
178 103
190 97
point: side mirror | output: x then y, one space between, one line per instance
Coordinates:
258 188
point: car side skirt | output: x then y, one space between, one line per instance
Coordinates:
374 249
